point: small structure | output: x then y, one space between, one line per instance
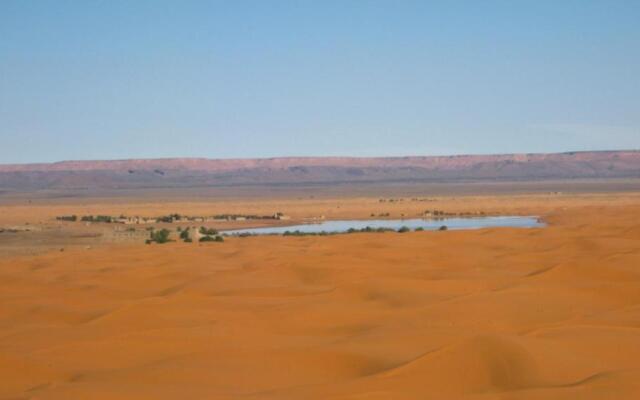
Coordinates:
281 216
194 233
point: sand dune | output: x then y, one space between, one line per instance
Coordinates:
550 313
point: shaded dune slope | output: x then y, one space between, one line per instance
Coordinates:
492 314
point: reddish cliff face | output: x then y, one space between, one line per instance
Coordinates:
620 158
181 172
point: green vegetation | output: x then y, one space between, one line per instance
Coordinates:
184 235
234 217
404 229
161 236
169 218
208 231
419 229
70 218
367 229
98 218
300 233
443 228
216 238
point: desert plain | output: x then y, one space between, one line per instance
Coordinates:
502 313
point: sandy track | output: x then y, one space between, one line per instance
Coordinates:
548 313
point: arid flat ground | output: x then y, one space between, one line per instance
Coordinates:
551 313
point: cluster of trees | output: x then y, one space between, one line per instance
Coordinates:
184 235
71 218
209 235
207 231
161 236
437 213
440 213
208 238
246 216
419 229
98 218
169 218
367 229
88 218
164 235
300 233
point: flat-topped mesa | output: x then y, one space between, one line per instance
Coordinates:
207 164
199 172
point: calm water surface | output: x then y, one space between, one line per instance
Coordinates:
426 224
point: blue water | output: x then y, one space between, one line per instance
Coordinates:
426 224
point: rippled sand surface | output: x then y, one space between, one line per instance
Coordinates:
505 313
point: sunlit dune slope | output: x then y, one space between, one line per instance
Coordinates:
549 313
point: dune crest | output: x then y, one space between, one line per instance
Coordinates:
550 313
483 363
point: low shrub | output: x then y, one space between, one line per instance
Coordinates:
70 218
207 231
161 236
209 238
184 235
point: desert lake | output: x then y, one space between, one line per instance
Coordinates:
342 226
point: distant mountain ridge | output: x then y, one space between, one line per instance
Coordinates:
191 172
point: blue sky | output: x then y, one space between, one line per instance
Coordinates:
122 79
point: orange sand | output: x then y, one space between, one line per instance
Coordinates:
548 313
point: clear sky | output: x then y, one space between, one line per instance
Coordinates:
133 79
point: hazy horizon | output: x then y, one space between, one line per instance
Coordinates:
249 79
322 156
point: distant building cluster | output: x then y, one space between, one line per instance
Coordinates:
171 218
441 214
